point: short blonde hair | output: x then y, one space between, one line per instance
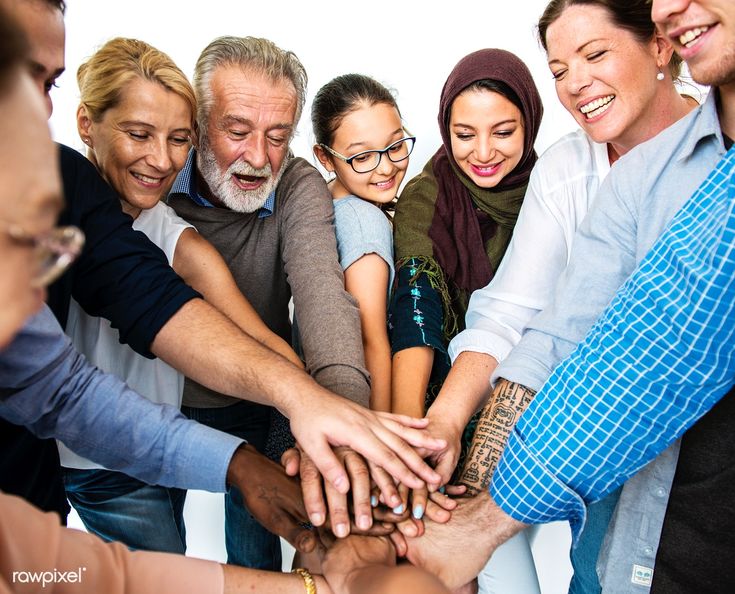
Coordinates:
103 77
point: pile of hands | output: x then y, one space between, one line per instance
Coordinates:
360 491
372 523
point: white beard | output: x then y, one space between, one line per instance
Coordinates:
224 188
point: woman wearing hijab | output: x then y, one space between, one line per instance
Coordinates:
453 221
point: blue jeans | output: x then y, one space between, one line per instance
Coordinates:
247 542
117 507
584 555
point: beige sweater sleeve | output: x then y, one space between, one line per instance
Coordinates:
328 317
37 554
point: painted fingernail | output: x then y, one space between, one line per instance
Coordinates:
441 490
374 501
418 512
398 509
363 522
340 530
316 519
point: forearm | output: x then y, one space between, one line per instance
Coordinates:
466 389
51 389
394 580
507 403
377 360
410 378
202 267
203 344
242 579
88 563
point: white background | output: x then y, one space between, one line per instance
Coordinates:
409 46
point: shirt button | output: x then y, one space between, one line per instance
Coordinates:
661 492
648 551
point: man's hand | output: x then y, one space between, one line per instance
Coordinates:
271 496
384 439
478 521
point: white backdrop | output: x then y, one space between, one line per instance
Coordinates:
409 46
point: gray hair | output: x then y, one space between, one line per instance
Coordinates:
253 53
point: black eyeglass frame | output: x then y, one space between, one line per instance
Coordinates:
380 152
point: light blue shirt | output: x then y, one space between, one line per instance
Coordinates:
50 388
635 203
362 229
658 359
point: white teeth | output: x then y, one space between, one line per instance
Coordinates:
687 39
146 179
596 107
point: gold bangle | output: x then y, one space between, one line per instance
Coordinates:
308 580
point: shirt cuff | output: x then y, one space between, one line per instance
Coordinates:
479 341
527 491
520 369
204 457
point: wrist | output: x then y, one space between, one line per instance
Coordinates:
496 525
307 578
239 466
443 412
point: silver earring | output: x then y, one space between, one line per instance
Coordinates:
660 75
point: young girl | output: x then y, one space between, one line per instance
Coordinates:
361 140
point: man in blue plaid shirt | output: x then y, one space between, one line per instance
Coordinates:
658 359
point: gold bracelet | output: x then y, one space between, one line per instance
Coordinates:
308 580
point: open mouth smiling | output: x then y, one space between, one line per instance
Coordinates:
597 106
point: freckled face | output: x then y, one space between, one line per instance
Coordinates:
604 76
486 136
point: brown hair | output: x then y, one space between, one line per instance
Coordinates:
632 15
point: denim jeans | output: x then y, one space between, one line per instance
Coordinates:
584 555
117 507
247 542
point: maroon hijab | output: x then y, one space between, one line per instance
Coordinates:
466 216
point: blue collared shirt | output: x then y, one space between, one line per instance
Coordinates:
186 184
47 386
659 357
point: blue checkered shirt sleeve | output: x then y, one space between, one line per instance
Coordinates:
658 358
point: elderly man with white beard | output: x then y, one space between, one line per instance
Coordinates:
270 215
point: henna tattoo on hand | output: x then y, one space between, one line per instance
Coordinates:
497 420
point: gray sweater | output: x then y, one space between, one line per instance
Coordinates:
291 252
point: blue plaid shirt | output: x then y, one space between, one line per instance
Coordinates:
186 184
659 358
